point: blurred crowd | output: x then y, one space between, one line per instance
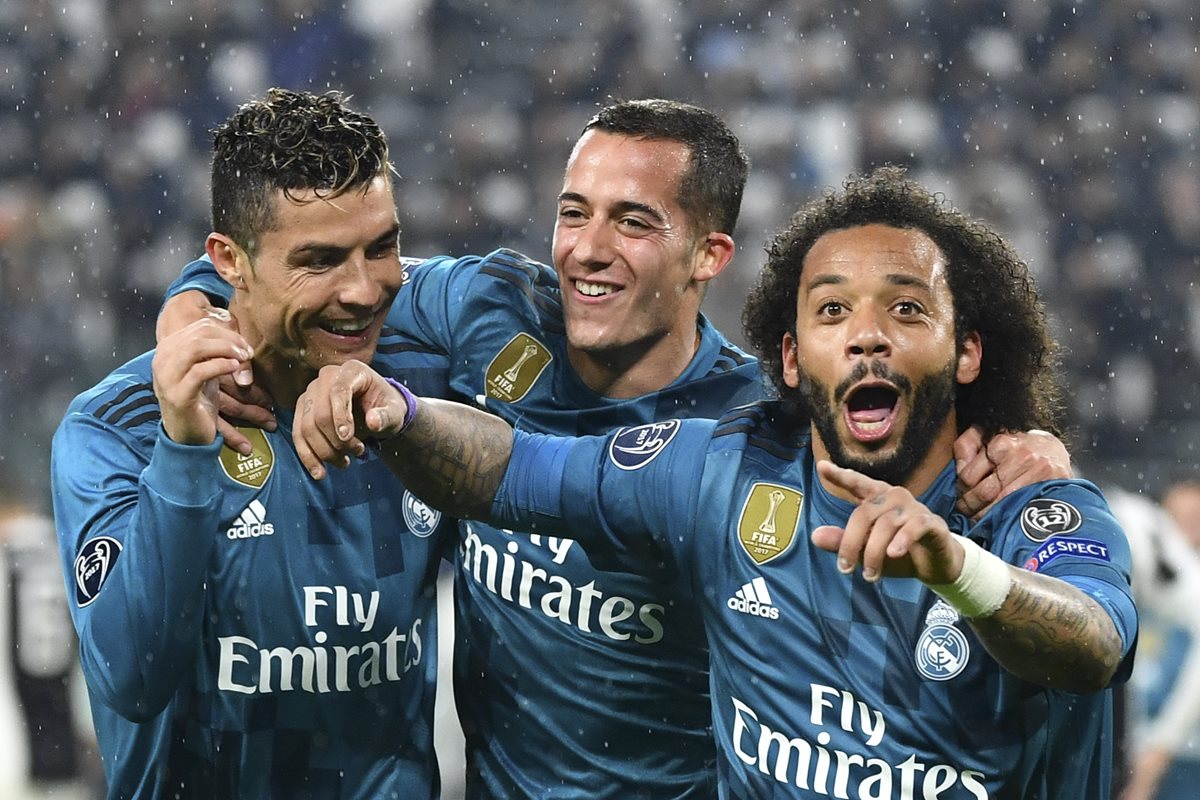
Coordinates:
1071 126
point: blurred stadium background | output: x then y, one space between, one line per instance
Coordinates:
1072 126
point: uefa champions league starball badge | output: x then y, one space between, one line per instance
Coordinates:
942 651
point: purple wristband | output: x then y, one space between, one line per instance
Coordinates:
410 402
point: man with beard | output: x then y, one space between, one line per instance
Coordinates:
922 660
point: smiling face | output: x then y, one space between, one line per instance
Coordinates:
320 286
631 264
874 355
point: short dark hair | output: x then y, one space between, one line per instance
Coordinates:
711 190
289 141
1019 386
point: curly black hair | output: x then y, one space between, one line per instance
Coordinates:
710 192
289 141
1019 386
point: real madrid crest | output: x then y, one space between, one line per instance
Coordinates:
769 520
420 518
515 368
942 651
250 470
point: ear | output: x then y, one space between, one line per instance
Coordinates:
970 360
791 365
229 259
716 251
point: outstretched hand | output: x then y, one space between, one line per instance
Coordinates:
345 406
891 533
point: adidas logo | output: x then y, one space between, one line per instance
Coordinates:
251 523
754 599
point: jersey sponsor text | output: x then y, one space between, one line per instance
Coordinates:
518 581
247 668
828 772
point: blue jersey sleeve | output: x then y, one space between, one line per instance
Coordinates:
1067 530
201 275
134 523
430 303
629 497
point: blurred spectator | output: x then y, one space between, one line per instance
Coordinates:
46 729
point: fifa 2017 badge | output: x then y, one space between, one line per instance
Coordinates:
769 521
1044 517
942 651
516 368
249 470
93 565
420 518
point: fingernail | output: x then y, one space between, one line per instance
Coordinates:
869 573
243 377
343 431
844 566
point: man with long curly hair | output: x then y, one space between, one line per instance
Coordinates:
866 640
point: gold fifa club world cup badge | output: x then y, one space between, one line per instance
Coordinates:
769 521
516 368
254 469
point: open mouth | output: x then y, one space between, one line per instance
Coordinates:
871 412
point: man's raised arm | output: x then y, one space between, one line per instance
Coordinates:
450 455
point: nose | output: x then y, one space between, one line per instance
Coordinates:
593 243
364 281
866 335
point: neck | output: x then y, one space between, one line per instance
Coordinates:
637 369
285 381
278 373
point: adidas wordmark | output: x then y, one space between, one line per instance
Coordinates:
251 523
754 599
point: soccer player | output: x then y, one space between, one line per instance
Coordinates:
574 680
244 631
867 640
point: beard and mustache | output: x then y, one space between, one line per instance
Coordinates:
929 402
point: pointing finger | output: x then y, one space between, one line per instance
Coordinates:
857 484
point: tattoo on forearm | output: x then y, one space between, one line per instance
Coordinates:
453 457
1049 632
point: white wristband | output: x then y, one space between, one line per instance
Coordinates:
981 587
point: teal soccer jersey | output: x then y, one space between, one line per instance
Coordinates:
245 630
571 681
824 685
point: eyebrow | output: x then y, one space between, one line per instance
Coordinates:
321 250
621 207
895 278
